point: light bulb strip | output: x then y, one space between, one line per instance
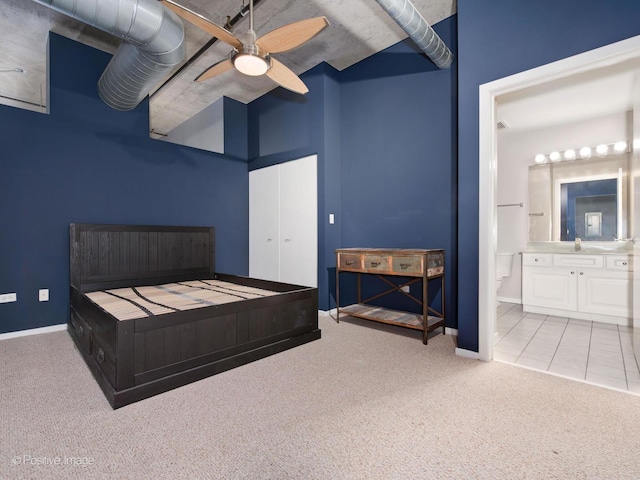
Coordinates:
570 154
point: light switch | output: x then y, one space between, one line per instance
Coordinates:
331 219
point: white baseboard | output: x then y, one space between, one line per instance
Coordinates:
461 352
451 331
33 331
510 300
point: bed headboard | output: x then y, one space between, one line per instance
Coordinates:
113 256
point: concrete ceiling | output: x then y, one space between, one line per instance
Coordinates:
359 28
592 94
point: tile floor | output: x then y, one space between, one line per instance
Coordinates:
593 352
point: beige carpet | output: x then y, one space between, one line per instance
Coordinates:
364 402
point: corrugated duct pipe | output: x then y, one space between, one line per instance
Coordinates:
410 20
154 44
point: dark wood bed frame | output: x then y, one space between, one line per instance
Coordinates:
136 359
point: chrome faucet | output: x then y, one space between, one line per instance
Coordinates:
578 245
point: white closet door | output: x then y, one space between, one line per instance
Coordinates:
264 223
299 222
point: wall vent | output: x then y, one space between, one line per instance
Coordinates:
502 125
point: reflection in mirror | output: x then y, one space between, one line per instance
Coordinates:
586 199
588 210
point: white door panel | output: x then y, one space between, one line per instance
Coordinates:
264 226
551 288
283 222
606 293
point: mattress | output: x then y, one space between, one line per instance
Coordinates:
148 301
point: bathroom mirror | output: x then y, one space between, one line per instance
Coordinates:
586 199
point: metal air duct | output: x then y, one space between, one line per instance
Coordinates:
154 44
410 20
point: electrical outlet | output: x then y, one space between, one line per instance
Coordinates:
405 288
43 295
332 219
8 297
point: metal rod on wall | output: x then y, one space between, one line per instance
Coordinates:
512 205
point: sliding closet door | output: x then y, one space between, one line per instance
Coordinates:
283 222
264 223
299 222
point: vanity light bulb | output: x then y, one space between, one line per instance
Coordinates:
602 150
570 155
585 152
554 156
540 158
620 147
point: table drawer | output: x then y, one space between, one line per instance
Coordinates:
350 260
407 264
376 263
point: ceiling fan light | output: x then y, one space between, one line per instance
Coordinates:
251 64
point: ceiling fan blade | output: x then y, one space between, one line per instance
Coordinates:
284 77
216 69
292 36
204 24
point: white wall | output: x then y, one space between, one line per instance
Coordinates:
516 151
204 130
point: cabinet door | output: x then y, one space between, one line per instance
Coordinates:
605 293
299 222
264 223
549 287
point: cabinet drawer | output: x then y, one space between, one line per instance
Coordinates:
578 260
81 330
537 259
407 264
349 260
376 263
105 360
619 262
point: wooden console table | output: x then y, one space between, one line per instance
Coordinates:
421 264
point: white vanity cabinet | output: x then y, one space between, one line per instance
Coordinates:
591 287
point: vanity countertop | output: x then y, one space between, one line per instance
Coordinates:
581 252
587 248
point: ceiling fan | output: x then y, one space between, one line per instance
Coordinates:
253 57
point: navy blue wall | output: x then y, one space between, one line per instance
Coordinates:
86 162
399 156
236 140
285 126
497 38
385 134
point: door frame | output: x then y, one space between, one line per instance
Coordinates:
488 165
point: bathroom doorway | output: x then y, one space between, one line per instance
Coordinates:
488 154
